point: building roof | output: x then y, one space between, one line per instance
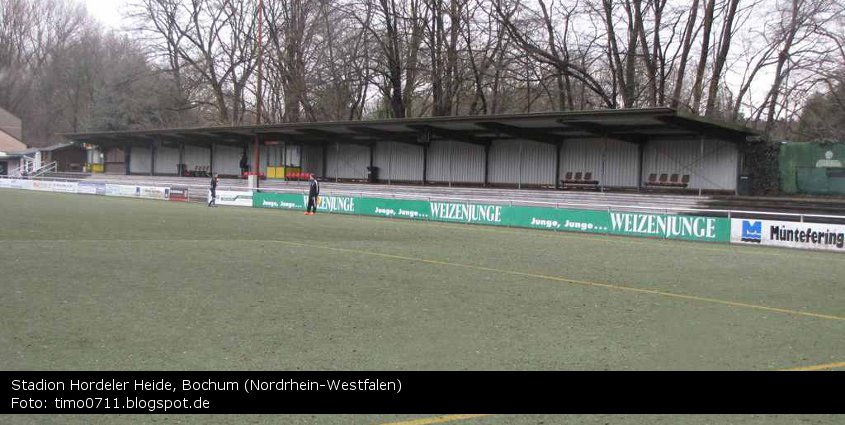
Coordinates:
631 125
10 124
58 146
9 144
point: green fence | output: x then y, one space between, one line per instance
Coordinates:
669 226
812 168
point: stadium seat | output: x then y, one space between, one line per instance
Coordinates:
673 180
581 180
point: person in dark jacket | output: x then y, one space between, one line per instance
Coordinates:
244 163
213 190
313 193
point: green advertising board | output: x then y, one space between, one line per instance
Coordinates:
693 228
557 219
394 208
287 201
295 201
667 226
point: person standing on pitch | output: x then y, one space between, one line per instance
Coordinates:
212 190
313 193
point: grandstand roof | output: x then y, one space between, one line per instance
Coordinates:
630 125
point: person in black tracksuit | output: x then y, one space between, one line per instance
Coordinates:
244 163
213 190
313 193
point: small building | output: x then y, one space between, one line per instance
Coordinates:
69 157
11 144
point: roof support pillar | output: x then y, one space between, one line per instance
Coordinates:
486 165
181 165
739 166
152 157
425 138
558 149
325 170
337 162
257 162
425 163
211 159
640 155
127 158
603 164
451 153
519 179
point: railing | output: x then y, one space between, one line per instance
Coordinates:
48 168
800 217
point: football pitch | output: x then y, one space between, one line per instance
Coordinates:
96 283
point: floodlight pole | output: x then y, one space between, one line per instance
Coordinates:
258 94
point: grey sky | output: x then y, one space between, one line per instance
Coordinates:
106 11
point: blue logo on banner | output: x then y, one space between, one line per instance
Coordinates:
752 231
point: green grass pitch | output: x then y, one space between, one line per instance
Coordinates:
96 283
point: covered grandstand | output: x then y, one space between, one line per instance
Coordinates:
627 149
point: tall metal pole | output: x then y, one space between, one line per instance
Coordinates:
258 93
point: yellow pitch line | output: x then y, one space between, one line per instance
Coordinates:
436 420
541 276
574 281
816 367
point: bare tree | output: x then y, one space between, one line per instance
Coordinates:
721 56
706 29
686 46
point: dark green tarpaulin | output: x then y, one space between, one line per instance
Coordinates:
812 168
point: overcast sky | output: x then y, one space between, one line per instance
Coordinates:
106 11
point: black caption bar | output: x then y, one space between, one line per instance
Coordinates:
421 392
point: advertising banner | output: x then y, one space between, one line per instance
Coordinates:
65 187
287 201
42 186
5 183
829 237
232 198
667 226
88 188
179 194
152 192
695 228
121 190
335 204
557 219
394 208
466 213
